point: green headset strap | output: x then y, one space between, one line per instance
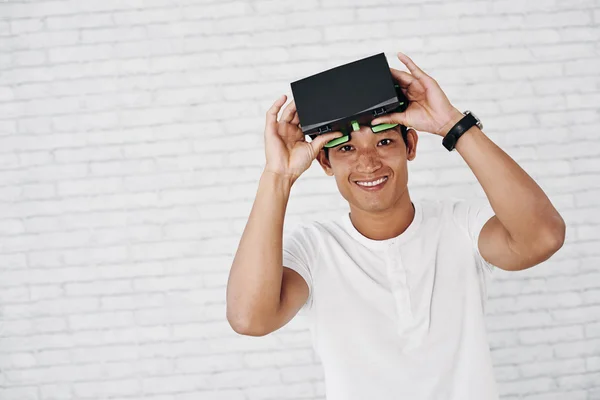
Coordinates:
337 141
382 127
356 127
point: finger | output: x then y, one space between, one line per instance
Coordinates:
288 112
403 78
394 118
272 112
320 141
412 67
296 119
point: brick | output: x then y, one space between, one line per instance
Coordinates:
101 320
507 373
91 186
502 339
222 394
522 7
77 21
26 58
527 386
558 19
526 71
98 288
558 395
294 374
20 26
174 383
20 393
235 378
53 357
552 368
46 40
579 381
13 261
578 348
11 227
213 363
593 363
111 35
582 66
126 387
57 390
551 335
288 391
68 54
518 355
6 93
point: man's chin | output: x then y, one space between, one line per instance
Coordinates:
372 206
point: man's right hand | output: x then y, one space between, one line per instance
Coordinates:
287 151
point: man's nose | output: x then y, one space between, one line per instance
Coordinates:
368 161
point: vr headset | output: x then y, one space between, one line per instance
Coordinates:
345 97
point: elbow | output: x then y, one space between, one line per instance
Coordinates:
556 236
558 242
243 326
247 329
552 240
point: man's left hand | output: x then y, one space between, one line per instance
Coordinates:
429 109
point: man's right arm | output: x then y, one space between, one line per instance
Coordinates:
262 296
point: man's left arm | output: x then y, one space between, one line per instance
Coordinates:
526 229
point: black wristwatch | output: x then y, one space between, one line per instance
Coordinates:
459 128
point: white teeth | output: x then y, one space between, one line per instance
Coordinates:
374 183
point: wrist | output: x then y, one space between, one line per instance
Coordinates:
453 117
285 181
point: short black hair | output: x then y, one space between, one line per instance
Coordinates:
403 131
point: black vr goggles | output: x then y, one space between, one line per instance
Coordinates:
344 97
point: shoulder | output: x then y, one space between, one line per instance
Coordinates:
438 208
307 232
469 215
462 212
461 208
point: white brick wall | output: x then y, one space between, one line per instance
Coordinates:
131 143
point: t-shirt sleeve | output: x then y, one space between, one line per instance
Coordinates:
299 255
472 215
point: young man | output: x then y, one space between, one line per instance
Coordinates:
395 290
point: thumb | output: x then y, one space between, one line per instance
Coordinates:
320 141
394 118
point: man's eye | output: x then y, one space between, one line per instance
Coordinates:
342 148
390 140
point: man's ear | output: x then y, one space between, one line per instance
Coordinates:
325 164
412 138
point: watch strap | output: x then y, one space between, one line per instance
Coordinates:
457 131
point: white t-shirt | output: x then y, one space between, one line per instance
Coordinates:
400 318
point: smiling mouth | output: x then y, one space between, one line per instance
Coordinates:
372 184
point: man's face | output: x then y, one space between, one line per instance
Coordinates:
367 157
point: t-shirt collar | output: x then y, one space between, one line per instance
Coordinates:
386 243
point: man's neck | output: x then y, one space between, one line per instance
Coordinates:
386 225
